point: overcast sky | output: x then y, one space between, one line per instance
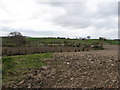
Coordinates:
59 19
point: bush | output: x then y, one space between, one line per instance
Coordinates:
98 46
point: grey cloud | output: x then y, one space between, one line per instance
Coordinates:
78 15
29 32
107 9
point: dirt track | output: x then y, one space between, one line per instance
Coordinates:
88 69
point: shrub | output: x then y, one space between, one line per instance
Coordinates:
98 46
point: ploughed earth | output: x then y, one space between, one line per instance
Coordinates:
88 69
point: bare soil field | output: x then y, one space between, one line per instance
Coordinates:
88 69
9 51
111 47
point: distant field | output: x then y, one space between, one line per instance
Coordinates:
28 45
57 42
88 41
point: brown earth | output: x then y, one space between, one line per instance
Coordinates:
9 51
88 69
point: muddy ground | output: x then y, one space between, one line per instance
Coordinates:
88 69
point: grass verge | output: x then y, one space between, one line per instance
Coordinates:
14 68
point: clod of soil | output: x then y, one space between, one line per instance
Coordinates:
90 69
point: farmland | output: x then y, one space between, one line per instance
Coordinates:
12 46
90 69
70 44
18 66
60 63
57 42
